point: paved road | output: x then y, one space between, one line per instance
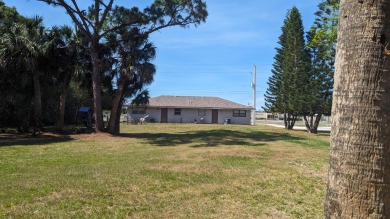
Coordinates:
327 129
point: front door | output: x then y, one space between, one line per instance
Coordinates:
214 116
164 115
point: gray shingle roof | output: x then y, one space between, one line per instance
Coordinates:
194 102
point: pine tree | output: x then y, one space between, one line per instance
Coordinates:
288 85
322 39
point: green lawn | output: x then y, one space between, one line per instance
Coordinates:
165 171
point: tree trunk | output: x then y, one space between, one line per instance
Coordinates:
113 124
312 125
293 120
308 124
62 103
289 121
316 123
96 89
38 126
359 172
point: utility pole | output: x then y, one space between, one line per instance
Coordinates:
254 97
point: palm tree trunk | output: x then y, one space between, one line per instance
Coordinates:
359 172
37 102
62 103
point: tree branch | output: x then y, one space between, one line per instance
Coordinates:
105 13
83 18
96 14
71 11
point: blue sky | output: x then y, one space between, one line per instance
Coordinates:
216 58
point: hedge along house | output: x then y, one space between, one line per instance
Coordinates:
191 109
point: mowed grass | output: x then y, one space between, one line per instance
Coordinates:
165 171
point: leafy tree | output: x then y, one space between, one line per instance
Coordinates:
25 48
322 39
8 17
95 26
70 60
12 96
133 72
287 91
359 167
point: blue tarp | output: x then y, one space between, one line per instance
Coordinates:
84 109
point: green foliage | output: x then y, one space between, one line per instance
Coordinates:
141 99
302 74
108 26
24 51
14 90
134 64
287 91
324 29
322 38
175 12
8 16
28 48
60 59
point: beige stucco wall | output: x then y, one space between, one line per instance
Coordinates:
153 114
190 115
223 114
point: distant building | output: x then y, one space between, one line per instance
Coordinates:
265 116
191 109
280 116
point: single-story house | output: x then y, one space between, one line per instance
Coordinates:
191 109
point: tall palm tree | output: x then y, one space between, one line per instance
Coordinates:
134 71
359 170
26 47
69 62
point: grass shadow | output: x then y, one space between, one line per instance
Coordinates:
319 132
7 140
211 138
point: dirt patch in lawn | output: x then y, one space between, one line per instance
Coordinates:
101 136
